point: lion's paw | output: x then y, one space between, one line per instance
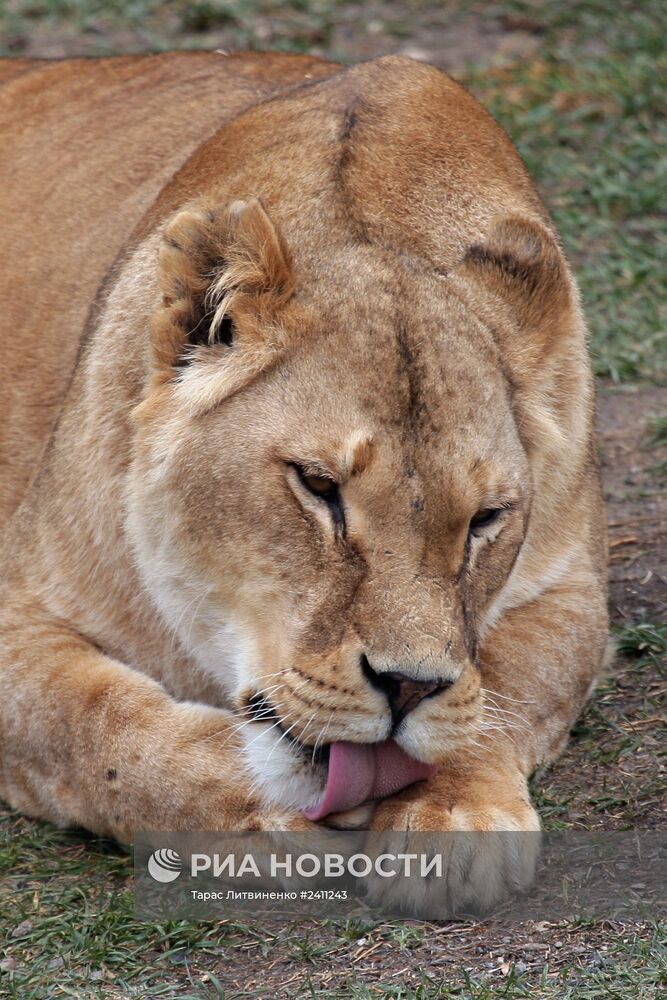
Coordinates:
488 854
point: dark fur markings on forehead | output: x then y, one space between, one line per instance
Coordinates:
350 121
349 124
345 139
410 370
492 342
417 417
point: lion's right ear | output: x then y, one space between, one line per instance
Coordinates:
224 274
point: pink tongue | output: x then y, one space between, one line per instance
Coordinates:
362 771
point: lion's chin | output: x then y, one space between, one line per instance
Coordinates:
358 818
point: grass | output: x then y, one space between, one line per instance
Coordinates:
656 431
294 26
644 641
589 119
67 930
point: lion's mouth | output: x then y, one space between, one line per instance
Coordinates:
261 710
361 772
356 772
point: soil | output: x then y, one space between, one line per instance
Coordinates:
636 499
487 951
433 32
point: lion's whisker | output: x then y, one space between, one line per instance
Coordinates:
278 742
506 697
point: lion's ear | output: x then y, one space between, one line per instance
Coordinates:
530 306
521 265
223 276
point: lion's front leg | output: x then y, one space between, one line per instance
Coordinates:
538 665
483 823
469 793
87 741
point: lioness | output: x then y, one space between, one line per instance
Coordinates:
300 515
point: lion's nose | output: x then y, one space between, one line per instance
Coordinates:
404 693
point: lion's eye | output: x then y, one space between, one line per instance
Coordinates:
324 488
484 519
321 486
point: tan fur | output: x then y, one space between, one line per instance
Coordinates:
384 302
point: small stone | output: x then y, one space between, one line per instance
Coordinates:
8 964
179 958
55 963
17 43
416 52
22 929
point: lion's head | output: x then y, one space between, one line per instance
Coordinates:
334 465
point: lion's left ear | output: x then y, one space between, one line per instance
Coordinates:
522 267
224 274
530 306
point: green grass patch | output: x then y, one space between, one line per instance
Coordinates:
294 26
644 641
589 118
656 431
67 930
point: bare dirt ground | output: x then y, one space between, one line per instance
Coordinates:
423 956
636 501
453 37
